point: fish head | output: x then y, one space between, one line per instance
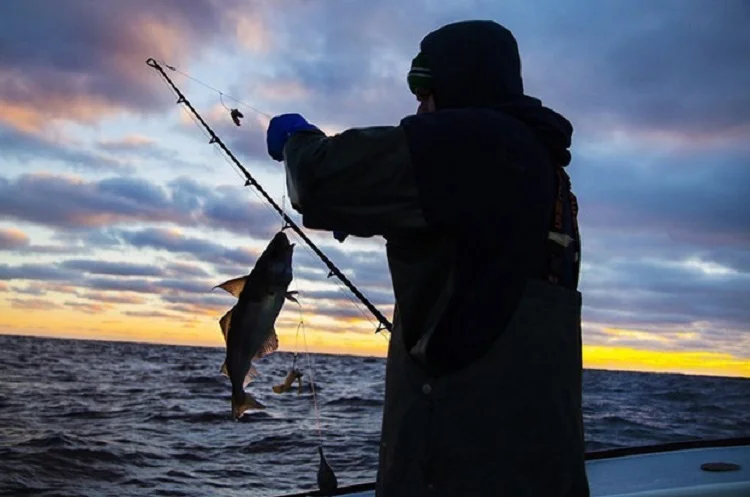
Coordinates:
278 262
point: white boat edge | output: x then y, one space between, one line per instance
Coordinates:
703 468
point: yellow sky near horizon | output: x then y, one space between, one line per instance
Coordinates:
204 331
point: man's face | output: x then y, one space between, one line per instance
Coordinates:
426 102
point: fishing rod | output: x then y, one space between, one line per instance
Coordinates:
289 223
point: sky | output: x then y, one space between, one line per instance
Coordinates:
117 217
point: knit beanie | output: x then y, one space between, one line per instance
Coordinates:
420 75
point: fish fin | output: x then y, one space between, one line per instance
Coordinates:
247 402
224 323
269 346
252 374
234 286
252 403
291 296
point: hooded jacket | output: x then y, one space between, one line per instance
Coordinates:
459 194
468 199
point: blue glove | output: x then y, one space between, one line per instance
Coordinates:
340 236
280 129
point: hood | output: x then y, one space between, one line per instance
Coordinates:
477 64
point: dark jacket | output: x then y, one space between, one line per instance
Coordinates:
466 198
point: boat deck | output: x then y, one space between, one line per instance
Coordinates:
718 468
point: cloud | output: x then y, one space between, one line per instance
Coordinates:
184 269
694 200
63 201
112 298
35 288
34 272
188 286
123 285
178 243
33 304
28 148
72 202
12 238
128 143
343 296
678 66
199 305
88 308
87 59
154 314
112 268
677 70
145 149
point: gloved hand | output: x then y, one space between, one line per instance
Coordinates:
280 129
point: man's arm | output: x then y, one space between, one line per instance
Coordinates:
359 181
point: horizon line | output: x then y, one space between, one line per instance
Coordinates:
339 354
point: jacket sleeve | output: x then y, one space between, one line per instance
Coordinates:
359 181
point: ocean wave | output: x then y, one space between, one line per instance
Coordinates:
352 402
155 420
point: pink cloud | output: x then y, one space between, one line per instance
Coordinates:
12 238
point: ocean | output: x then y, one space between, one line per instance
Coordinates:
88 418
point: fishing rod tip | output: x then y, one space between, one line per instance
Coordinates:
151 62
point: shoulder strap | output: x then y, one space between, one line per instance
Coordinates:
563 240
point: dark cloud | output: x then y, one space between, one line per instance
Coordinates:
61 201
28 148
112 268
341 295
164 286
676 291
188 286
218 299
34 272
184 269
201 249
365 269
123 285
677 65
694 200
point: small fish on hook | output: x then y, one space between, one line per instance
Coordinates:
236 115
293 375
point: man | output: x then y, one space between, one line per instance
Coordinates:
483 379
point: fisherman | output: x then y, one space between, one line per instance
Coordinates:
483 377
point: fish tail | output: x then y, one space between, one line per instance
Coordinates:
242 402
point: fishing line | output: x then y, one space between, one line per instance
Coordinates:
250 181
206 85
226 159
311 363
